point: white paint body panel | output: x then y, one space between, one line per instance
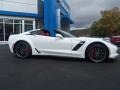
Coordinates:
59 47
25 6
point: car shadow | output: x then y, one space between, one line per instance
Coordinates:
61 59
55 58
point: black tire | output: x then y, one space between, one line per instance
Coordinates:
22 50
97 52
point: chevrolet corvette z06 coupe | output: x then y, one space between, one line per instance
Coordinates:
39 42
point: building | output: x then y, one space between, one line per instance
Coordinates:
17 16
81 32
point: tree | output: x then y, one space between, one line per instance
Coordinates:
108 24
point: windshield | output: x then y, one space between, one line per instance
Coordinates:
65 34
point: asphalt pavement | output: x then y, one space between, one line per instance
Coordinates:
53 73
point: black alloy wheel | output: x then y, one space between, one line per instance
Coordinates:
97 52
22 50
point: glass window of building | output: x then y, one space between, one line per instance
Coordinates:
18 21
28 25
1 32
39 25
8 31
1 20
8 21
17 26
8 28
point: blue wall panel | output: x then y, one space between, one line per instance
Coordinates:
50 16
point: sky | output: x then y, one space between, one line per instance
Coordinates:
85 12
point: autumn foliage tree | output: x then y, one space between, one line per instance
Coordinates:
108 24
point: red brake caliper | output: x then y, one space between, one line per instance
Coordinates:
94 51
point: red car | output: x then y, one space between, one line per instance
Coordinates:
115 40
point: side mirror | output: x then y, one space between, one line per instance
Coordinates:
59 36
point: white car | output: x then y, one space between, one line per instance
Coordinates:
39 42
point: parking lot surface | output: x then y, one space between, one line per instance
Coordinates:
53 73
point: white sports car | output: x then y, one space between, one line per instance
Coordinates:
39 42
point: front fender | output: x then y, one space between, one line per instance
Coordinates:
82 50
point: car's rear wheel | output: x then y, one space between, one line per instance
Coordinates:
22 50
97 52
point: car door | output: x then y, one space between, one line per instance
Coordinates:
53 45
62 46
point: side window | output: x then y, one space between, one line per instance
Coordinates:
45 33
39 32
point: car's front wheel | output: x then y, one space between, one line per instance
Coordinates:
22 50
97 52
